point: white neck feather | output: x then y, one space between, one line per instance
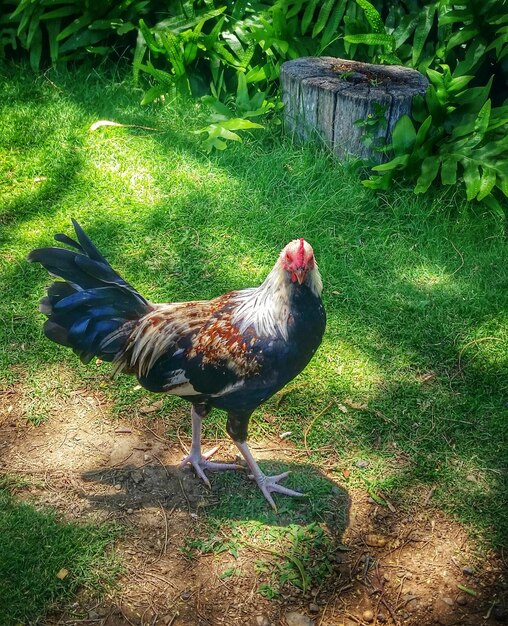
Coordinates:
267 307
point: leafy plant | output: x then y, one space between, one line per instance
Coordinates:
372 125
268 591
234 116
7 28
65 30
378 38
211 545
179 41
230 54
302 559
458 135
422 34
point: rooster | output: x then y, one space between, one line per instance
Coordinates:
232 352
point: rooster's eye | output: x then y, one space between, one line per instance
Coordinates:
288 257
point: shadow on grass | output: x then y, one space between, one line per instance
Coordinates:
299 538
403 302
47 194
232 497
45 560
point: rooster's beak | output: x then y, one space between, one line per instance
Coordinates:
300 274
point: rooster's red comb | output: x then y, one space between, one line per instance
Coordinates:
300 255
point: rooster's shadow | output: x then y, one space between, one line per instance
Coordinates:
233 496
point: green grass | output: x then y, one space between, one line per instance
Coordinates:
293 545
45 560
416 288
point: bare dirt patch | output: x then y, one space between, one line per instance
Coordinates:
398 565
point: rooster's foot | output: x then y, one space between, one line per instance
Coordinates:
270 484
200 462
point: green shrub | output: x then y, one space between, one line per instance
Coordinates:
230 53
65 30
457 133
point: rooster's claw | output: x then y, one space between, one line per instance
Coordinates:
201 462
270 484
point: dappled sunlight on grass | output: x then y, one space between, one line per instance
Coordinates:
295 543
413 370
345 365
45 560
427 279
487 344
135 180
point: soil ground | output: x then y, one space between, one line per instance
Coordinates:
396 565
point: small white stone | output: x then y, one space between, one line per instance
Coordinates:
298 619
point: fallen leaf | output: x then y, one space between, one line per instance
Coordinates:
342 548
468 590
387 502
101 123
359 406
429 496
362 463
377 498
375 541
426 377
151 408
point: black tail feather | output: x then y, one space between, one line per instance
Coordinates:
86 244
61 238
91 302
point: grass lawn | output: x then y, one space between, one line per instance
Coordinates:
36 550
412 376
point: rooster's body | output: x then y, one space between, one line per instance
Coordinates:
232 352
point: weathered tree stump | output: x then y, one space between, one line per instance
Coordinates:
325 96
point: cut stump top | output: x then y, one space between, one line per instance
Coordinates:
325 96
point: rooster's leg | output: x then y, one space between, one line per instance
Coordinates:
198 460
267 484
